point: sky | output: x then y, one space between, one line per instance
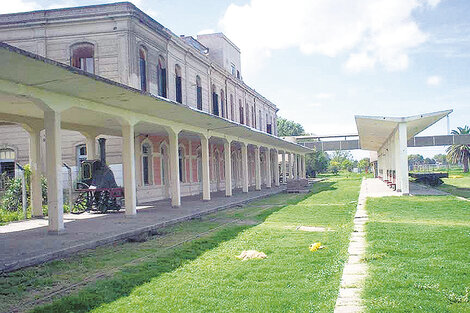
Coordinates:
324 61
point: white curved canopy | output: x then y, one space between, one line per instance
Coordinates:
375 130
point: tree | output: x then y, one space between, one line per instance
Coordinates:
334 167
429 161
440 159
460 153
364 164
415 159
289 128
340 156
347 165
316 162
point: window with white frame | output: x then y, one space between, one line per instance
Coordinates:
146 163
81 154
143 69
178 84
161 76
182 167
163 163
198 93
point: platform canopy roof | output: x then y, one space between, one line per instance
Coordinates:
25 69
374 131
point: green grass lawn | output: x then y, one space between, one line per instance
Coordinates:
458 184
203 275
114 270
418 255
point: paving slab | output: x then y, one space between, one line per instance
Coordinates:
28 243
355 270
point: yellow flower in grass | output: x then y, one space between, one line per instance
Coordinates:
315 246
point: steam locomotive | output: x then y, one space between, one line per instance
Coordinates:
96 187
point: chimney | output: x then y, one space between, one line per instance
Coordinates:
102 143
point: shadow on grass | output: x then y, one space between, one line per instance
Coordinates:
122 283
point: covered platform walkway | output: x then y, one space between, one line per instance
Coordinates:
41 94
27 243
388 138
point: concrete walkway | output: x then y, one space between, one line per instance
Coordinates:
355 270
27 243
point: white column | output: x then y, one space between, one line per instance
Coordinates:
55 201
403 158
128 168
304 170
206 183
244 148
257 169
174 168
304 167
296 172
397 160
138 161
34 159
228 169
268 168
291 162
283 166
276 169
90 146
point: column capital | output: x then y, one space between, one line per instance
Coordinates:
172 130
127 121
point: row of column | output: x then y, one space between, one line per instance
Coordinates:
392 160
52 127
292 166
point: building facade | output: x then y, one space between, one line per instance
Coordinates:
122 43
180 80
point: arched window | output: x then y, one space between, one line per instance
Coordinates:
161 76
260 120
199 165
232 109
143 69
81 154
268 125
82 57
164 163
242 115
7 165
222 103
215 101
179 90
198 93
182 167
247 112
146 163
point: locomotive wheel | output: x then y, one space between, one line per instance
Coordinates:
102 201
82 203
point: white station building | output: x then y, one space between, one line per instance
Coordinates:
181 117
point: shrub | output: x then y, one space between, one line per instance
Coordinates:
12 197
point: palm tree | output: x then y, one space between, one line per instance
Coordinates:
460 153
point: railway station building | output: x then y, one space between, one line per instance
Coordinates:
178 118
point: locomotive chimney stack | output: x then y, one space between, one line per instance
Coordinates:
102 143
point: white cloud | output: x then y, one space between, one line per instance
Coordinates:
433 3
324 96
13 6
206 31
314 105
434 80
368 32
